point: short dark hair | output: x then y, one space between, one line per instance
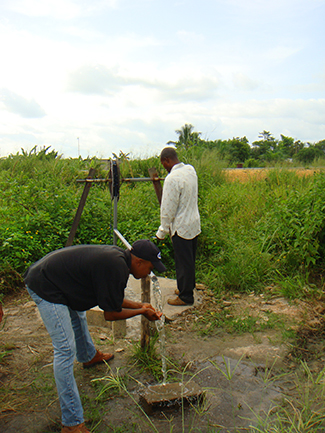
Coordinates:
168 152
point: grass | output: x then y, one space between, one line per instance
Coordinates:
302 411
147 359
253 232
5 351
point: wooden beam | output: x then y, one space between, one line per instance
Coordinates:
81 206
156 183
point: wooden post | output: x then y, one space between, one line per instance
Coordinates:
156 183
145 282
81 206
145 297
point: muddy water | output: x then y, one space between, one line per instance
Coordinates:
236 392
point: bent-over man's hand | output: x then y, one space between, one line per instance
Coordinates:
152 314
147 305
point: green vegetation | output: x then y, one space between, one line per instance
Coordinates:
239 325
302 409
257 233
253 233
265 151
147 359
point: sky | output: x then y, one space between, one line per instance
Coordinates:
93 78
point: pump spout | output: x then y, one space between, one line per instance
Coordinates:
122 238
129 247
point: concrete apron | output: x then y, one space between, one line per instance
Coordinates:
161 396
132 328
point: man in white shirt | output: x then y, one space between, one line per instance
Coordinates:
180 218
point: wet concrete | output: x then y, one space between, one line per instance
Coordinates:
167 288
133 292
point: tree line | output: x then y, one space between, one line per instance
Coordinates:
264 151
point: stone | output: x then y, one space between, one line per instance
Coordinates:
170 395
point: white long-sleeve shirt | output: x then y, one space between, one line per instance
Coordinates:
179 209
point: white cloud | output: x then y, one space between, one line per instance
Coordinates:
27 108
61 9
190 37
125 74
243 82
281 52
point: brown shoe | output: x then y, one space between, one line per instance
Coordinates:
98 358
177 301
80 428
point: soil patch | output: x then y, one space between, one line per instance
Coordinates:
230 367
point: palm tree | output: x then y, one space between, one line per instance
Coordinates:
186 136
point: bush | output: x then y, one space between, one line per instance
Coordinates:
252 232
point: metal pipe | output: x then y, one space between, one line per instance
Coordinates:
122 238
115 220
127 179
128 246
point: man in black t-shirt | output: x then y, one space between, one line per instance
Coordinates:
67 282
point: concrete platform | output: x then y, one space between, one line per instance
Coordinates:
168 286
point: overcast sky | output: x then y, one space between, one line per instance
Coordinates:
102 76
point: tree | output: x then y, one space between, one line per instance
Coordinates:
308 154
238 149
320 146
287 145
262 149
186 137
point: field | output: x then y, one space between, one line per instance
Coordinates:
261 254
256 174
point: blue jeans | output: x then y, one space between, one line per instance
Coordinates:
70 336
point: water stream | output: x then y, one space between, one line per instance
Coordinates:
160 324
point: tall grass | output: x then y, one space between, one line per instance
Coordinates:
253 233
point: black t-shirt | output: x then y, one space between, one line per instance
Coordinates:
82 277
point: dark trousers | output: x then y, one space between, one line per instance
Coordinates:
185 253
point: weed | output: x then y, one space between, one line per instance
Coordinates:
210 321
252 232
114 381
147 358
5 351
301 411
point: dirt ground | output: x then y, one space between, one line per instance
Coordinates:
29 403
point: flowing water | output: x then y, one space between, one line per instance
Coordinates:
160 324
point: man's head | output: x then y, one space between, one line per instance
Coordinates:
145 256
168 158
